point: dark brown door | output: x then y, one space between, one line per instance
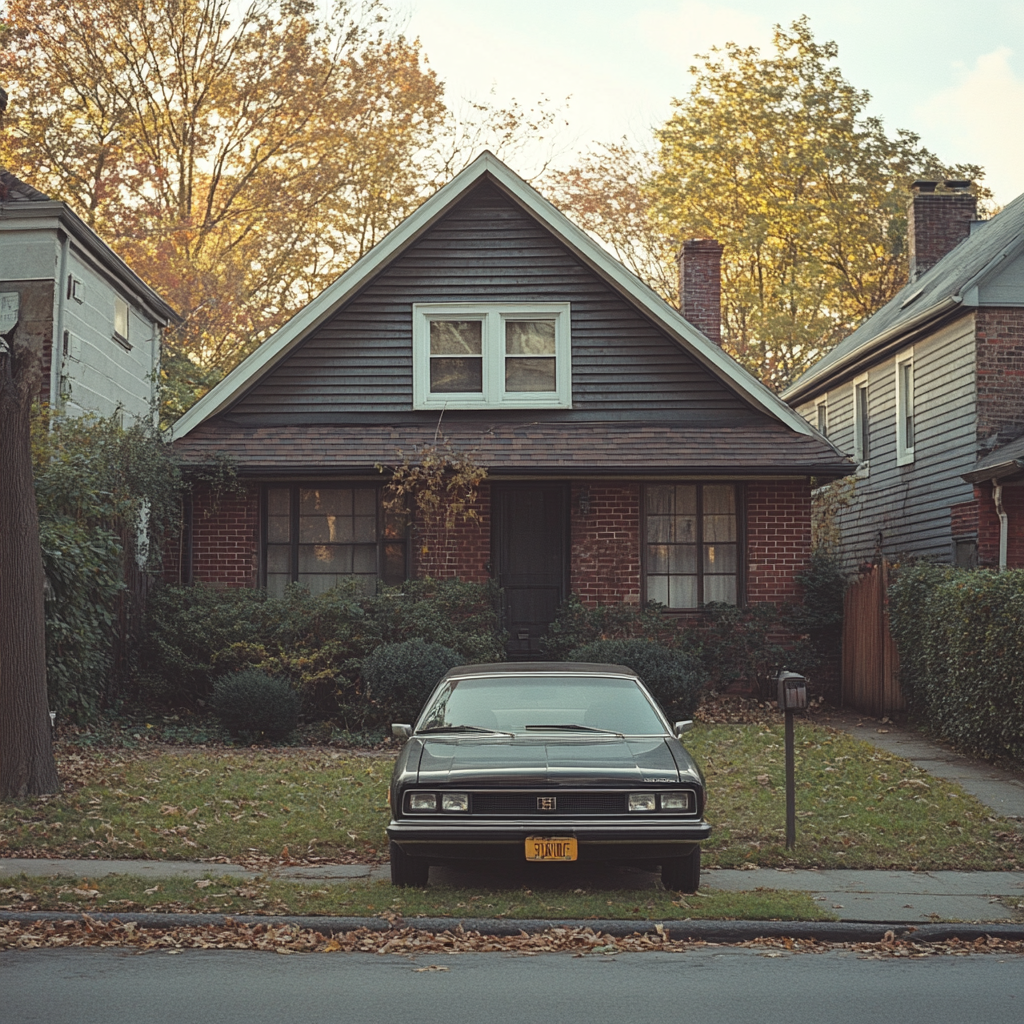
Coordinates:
529 545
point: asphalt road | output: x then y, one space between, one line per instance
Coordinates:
710 986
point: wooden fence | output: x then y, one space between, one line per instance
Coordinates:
870 662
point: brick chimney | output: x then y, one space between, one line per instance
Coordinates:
700 286
937 222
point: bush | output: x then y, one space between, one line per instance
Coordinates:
960 633
674 677
252 704
577 624
400 677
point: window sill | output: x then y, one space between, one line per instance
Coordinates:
122 341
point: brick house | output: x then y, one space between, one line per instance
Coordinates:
927 395
628 458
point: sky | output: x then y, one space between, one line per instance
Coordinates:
951 72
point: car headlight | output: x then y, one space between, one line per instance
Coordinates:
455 802
677 801
422 801
641 801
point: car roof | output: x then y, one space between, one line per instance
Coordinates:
545 668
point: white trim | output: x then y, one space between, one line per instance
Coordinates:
821 413
904 445
861 425
493 316
311 316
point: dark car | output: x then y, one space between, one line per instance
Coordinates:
545 762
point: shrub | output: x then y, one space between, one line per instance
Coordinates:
959 633
252 704
399 677
674 677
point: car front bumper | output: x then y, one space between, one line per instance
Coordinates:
493 839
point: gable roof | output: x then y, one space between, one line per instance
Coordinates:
486 166
952 282
14 190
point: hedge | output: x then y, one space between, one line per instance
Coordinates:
960 637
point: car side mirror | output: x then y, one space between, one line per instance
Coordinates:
680 727
401 732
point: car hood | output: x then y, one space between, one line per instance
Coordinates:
535 760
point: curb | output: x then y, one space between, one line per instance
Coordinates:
704 931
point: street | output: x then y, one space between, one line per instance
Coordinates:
712 985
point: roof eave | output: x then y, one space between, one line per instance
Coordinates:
999 471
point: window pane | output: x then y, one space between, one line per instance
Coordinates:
364 501
659 500
279 558
325 501
393 571
657 558
456 337
682 592
529 375
719 499
530 337
657 589
683 558
279 529
659 528
684 529
318 558
364 558
720 558
456 376
365 530
276 582
684 499
719 528
279 501
720 588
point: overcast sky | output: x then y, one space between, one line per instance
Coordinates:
952 72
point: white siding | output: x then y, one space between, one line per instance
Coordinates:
105 376
28 256
904 510
1005 288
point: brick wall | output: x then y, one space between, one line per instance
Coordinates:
225 539
1000 372
963 518
778 538
463 551
988 525
605 562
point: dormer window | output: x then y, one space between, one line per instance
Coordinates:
482 356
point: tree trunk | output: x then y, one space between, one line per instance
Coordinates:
26 753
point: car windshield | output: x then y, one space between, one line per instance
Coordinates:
523 703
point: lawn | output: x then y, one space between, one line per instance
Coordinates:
857 807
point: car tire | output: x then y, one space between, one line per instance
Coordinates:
407 871
682 874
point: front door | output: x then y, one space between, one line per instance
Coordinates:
529 546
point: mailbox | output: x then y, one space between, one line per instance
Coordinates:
792 691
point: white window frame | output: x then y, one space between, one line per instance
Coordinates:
122 312
861 453
821 414
493 316
904 450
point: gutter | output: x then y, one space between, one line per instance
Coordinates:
1004 528
1011 467
57 344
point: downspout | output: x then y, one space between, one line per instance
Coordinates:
57 344
1004 530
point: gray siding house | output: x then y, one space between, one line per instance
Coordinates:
100 322
927 392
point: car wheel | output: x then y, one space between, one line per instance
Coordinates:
682 874
405 870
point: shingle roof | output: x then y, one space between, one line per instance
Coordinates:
14 190
1008 460
936 291
764 448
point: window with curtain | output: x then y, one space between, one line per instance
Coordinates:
692 549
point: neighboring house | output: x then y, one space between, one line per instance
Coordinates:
100 323
628 457
927 395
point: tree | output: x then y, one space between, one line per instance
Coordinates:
774 156
26 754
237 164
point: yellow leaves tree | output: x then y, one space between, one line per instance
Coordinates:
238 159
775 156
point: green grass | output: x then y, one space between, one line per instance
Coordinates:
122 893
857 806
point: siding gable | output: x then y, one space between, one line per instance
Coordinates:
486 248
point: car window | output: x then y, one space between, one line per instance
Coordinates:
511 704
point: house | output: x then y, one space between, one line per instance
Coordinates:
100 322
628 458
927 395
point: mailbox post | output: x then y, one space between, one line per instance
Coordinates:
792 697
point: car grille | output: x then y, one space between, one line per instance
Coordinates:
578 805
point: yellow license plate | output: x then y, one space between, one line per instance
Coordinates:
551 848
